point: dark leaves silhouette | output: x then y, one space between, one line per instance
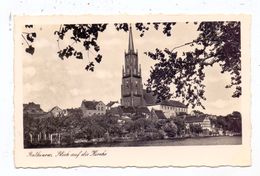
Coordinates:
98 58
28 26
87 36
218 42
29 38
90 67
30 50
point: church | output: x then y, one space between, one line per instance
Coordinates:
132 87
133 95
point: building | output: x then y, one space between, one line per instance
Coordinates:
122 111
143 111
132 87
33 109
202 120
56 111
90 108
170 108
157 114
112 104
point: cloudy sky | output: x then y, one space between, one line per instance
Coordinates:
50 81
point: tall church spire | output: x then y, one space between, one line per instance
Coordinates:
131 87
131 42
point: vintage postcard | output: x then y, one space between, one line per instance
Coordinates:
143 91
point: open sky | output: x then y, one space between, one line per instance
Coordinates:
50 81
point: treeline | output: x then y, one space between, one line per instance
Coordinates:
75 127
107 127
231 122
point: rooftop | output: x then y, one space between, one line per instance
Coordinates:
150 99
160 114
111 103
192 119
91 105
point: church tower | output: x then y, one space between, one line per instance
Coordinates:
132 87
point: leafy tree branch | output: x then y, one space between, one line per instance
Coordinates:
218 42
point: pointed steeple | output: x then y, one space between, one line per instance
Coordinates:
131 42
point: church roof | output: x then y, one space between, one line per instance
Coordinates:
160 114
128 110
111 103
91 105
150 99
142 110
193 119
173 103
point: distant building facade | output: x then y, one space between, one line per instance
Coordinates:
202 120
170 108
90 108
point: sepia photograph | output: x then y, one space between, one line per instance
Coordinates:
131 84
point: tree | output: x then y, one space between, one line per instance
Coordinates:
231 122
217 43
196 129
170 129
180 125
31 128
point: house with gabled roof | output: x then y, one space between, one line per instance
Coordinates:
56 111
90 108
